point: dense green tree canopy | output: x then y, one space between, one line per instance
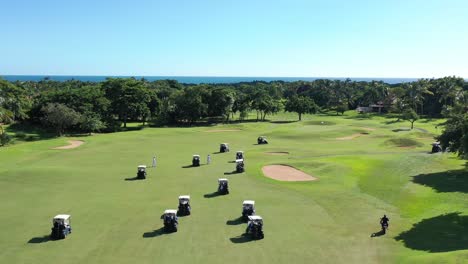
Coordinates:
106 105
300 105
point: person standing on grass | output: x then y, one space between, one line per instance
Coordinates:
154 161
208 159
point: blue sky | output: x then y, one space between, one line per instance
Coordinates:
307 38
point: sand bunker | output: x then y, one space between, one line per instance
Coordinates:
353 136
73 144
277 153
286 173
222 130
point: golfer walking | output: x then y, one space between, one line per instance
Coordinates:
154 161
208 159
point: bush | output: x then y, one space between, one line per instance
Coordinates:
21 135
4 139
112 126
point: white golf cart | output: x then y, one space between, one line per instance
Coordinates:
255 227
262 140
61 227
196 160
224 147
223 187
240 165
141 173
436 147
239 154
248 209
170 220
184 205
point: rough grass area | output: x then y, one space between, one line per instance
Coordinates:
330 220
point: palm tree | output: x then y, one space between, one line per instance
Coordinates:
422 87
449 88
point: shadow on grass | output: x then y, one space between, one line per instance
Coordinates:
284 122
447 181
133 179
236 221
377 234
244 238
389 122
231 173
211 195
29 132
155 233
443 233
38 240
231 161
191 166
401 129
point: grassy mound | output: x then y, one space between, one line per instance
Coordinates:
403 142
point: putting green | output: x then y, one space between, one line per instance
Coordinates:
326 221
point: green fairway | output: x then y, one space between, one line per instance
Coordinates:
366 167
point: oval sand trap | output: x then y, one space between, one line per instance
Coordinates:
286 173
277 153
73 144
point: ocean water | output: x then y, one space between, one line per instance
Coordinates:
193 79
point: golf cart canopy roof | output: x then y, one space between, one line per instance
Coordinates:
196 156
62 216
240 151
239 160
187 197
262 137
435 143
170 211
223 180
62 219
225 144
255 217
248 202
141 166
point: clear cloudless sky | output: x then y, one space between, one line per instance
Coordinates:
306 38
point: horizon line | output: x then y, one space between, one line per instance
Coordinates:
226 76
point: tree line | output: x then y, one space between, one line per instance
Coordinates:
108 106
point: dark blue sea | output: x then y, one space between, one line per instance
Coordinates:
193 79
